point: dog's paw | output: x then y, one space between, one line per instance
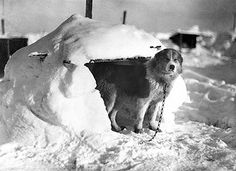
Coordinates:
158 130
154 128
153 125
138 131
118 129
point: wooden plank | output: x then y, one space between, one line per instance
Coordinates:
89 8
3 26
124 17
122 61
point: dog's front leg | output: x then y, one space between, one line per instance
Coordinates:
138 128
153 123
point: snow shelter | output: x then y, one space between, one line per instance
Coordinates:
55 96
185 39
8 46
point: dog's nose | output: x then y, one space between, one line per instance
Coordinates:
172 67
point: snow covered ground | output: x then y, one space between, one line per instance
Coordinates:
204 137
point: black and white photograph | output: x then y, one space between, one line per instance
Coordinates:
118 85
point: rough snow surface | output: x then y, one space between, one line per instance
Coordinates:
193 146
52 118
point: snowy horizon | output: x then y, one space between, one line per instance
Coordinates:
24 16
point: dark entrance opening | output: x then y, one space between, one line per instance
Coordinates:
185 40
8 46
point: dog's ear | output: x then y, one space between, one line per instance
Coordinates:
157 55
180 58
153 63
180 70
178 55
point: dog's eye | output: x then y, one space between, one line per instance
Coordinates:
167 59
175 60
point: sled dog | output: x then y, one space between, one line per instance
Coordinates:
137 85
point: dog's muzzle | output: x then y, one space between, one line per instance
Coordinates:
170 68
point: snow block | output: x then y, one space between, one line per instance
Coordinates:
46 86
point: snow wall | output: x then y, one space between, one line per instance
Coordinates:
41 98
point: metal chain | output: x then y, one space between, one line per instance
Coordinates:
161 114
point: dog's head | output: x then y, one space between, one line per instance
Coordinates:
166 65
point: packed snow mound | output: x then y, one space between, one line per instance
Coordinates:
46 84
